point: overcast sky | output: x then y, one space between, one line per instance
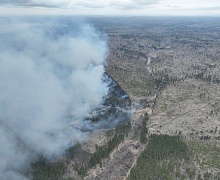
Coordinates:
111 7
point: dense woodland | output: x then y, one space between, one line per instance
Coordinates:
45 170
161 148
144 131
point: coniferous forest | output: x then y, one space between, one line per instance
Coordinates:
158 160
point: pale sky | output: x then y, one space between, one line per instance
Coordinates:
111 7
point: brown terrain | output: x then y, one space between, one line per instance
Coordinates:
170 69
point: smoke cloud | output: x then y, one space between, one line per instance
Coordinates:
50 78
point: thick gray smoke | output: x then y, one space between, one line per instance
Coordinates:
50 78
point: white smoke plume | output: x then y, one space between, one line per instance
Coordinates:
50 78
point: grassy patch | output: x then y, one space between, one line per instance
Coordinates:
169 101
140 88
136 82
207 154
178 99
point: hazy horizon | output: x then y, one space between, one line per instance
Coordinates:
111 7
